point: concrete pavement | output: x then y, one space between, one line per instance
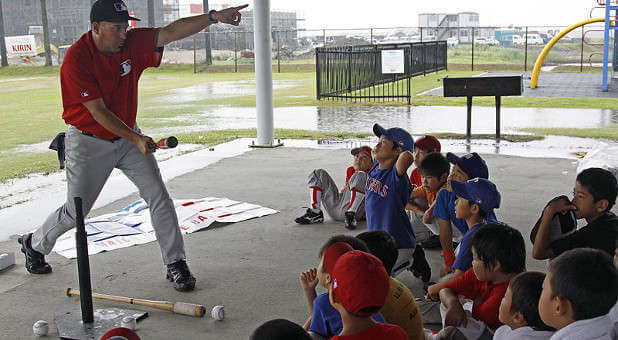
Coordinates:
250 267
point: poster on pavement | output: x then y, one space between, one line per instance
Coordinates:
131 225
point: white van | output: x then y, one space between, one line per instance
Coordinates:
535 39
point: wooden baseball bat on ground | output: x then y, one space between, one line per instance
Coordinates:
185 308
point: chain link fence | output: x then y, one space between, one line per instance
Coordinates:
512 48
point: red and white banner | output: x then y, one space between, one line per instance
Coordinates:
132 225
20 46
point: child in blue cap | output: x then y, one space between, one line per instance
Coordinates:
476 199
464 168
388 189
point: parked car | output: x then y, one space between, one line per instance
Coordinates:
535 39
518 40
452 42
546 37
485 41
493 41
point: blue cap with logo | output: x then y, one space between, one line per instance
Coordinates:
480 191
472 164
399 136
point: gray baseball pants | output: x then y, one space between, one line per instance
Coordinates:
89 162
334 201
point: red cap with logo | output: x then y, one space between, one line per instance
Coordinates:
365 148
428 143
360 283
333 253
120 333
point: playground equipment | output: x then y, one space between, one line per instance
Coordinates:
539 61
610 24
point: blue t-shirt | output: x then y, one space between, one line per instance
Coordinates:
386 196
444 209
463 261
326 320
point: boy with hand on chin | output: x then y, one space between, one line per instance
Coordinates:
388 190
594 195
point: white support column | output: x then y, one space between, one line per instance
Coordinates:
263 72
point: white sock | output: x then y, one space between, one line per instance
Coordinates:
315 193
356 201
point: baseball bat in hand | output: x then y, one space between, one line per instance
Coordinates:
185 308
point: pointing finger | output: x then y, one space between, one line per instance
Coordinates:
242 7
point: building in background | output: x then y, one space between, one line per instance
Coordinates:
460 26
67 19
226 37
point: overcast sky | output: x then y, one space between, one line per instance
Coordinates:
390 13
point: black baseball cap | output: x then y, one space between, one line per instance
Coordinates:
110 10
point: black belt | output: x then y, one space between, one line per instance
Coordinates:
91 135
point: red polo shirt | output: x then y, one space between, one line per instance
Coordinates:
487 297
87 74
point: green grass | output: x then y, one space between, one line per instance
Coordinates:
608 132
508 138
31 108
15 165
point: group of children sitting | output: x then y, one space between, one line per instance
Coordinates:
485 291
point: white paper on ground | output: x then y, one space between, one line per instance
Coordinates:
132 225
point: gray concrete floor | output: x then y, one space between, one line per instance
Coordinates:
250 267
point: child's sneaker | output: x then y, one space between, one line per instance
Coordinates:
310 217
350 220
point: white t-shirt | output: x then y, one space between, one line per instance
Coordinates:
601 328
505 332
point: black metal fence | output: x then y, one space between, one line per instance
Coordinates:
355 72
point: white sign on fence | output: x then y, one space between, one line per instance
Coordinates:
392 61
21 46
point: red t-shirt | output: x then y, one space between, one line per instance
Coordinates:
415 179
486 297
379 331
87 74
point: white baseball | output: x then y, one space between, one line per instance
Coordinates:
217 313
40 328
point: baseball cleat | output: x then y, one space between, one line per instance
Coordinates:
178 273
350 220
35 261
310 217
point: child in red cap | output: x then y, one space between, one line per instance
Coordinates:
422 147
325 320
347 205
358 289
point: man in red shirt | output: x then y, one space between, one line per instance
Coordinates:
99 78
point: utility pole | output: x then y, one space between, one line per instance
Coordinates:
5 61
48 60
207 37
151 14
